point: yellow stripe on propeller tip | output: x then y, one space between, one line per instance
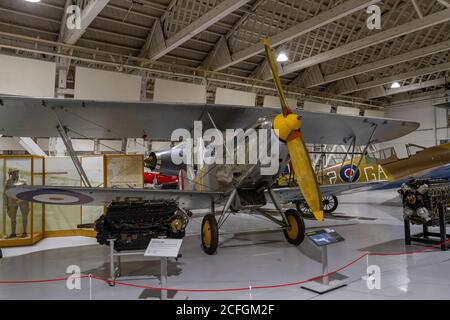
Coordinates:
306 178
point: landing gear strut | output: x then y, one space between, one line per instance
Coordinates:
293 224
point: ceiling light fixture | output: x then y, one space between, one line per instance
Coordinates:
282 57
282 54
34 1
395 85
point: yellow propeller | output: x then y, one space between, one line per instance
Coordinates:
288 125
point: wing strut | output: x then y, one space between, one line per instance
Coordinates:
369 143
76 162
353 153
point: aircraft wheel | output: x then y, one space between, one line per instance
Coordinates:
304 209
330 204
210 234
295 233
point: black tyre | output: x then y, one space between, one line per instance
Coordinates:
330 204
210 234
295 233
303 209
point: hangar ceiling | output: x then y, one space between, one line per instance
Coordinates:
333 55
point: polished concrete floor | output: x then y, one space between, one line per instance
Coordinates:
251 254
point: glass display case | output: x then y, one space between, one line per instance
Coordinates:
93 166
24 223
61 220
21 221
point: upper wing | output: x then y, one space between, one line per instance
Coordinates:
39 117
293 194
104 196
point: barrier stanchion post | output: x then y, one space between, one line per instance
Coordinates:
90 287
163 278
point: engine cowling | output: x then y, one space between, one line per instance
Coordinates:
161 162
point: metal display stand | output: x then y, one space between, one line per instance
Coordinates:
325 284
163 278
115 267
115 270
424 237
164 249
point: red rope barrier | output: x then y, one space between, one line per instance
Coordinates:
126 284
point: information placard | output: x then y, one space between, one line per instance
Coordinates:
163 248
324 237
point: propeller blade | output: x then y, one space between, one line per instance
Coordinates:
306 178
288 126
276 79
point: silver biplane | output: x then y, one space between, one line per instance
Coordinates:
234 187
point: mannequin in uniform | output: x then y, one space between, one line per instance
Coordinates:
12 205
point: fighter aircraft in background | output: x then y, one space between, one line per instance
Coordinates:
133 216
383 169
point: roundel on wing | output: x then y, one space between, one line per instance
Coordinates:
348 171
55 196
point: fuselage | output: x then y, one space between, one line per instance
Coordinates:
243 174
388 167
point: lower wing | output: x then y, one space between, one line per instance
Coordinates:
105 196
293 194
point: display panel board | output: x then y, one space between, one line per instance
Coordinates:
175 91
27 77
235 97
317 107
348 111
374 113
324 237
274 101
169 248
106 85
124 171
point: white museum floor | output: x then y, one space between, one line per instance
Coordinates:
251 254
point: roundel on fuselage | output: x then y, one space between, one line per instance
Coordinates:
348 171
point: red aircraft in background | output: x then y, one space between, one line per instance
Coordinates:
152 177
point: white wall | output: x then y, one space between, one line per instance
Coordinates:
274 101
27 77
106 85
235 97
430 119
175 91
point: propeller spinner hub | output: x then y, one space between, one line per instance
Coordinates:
287 127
